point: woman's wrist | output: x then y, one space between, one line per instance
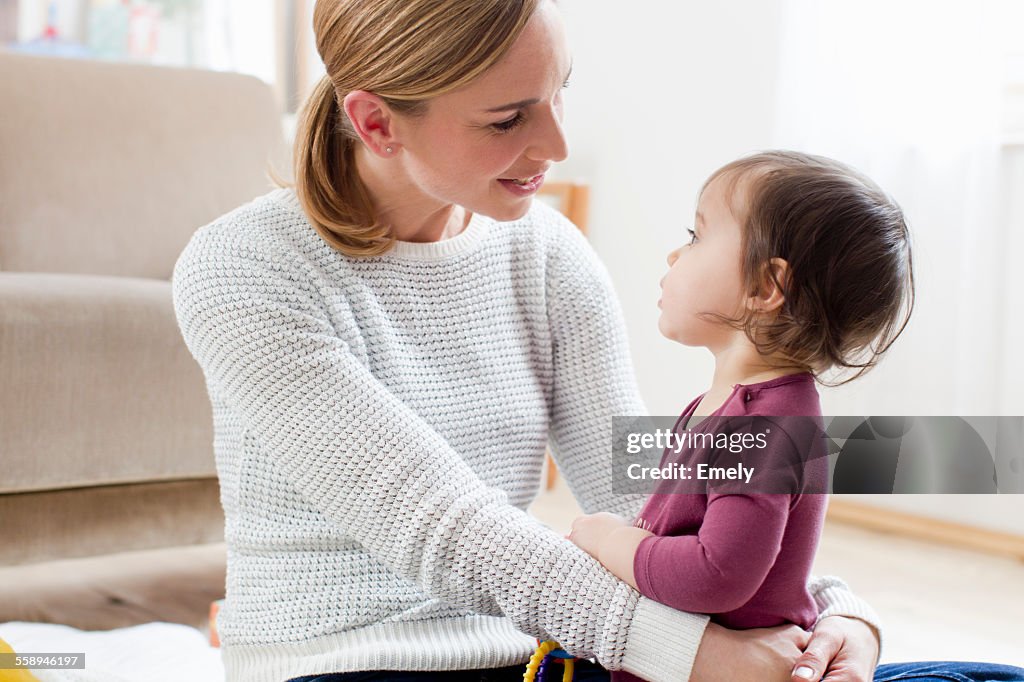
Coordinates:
864 632
834 598
662 642
765 655
840 647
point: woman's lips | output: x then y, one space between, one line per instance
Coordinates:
523 189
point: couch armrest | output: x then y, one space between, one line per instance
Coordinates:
96 385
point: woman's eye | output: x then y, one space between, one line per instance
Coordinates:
693 236
509 125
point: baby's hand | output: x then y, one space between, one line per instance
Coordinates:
590 530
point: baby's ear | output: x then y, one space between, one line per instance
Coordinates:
769 295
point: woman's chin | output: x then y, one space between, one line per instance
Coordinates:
510 213
506 210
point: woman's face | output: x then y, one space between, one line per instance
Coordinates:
705 276
472 144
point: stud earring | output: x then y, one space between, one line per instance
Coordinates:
388 149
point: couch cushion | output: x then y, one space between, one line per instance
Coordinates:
81 522
98 387
109 168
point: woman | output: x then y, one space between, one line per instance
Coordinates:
388 348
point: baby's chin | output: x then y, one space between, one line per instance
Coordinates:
686 337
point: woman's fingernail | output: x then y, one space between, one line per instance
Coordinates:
804 672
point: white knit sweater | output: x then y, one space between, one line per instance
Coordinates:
380 427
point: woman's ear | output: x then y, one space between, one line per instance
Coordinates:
373 121
769 295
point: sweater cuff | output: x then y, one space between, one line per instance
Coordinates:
834 598
662 642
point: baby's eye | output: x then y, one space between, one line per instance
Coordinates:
693 235
508 125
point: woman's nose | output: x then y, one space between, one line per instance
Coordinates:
550 143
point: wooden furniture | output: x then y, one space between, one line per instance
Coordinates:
573 200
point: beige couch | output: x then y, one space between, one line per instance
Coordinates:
109 508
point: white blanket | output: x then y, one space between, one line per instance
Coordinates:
155 652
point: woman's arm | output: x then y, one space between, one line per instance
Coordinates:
593 377
258 328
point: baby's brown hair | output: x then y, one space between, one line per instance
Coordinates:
849 288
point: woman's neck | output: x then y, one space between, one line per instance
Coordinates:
412 215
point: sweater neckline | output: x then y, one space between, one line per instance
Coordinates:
464 242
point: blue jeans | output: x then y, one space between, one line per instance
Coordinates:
939 671
935 671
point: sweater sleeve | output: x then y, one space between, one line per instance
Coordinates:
834 598
594 379
720 568
253 318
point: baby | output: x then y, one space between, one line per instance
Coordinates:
796 266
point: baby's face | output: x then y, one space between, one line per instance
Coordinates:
705 276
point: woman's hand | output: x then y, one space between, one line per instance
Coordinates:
845 648
760 655
589 530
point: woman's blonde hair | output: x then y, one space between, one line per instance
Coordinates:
406 52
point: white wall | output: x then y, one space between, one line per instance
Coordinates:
662 93
1011 355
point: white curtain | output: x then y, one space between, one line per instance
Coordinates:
911 92
243 36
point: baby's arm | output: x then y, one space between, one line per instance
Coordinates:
715 571
618 552
611 540
721 567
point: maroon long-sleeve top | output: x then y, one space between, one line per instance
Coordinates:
742 557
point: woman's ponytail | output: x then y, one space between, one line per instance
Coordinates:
326 181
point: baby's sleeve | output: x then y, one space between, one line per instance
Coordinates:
720 568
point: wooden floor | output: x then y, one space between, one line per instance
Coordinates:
937 603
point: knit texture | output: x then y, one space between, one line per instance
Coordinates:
380 428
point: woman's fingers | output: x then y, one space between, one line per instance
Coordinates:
818 653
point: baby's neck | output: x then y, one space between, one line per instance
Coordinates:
740 364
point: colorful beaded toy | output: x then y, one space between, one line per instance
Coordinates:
538 661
